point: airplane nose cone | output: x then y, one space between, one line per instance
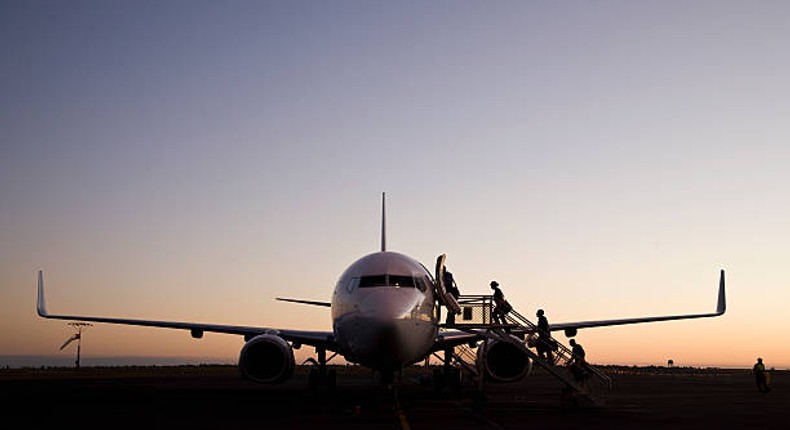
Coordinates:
385 328
396 304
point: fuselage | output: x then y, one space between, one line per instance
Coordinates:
384 313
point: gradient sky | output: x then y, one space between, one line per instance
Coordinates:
193 160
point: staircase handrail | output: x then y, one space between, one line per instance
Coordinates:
516 323
562 350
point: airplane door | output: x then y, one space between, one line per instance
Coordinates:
445 298
439 278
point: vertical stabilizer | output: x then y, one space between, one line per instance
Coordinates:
383 223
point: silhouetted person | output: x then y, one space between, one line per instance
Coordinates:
501 306
449 284
759 376
577 363
578 352
544 337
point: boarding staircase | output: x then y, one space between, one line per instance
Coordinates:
475 314
583 383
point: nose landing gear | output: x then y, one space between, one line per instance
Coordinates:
321 377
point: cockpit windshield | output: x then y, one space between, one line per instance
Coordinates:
396 281
373 281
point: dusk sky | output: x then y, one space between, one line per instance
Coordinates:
193 160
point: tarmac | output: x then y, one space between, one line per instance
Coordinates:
217 397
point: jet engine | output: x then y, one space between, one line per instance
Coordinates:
504 361
266 359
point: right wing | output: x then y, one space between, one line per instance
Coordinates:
315 338
571 327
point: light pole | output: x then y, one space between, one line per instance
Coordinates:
78 337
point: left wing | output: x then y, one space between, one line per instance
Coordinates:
314 338
571 327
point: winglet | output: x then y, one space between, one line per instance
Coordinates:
721 305
41 307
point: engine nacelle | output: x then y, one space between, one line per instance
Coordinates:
266 359
504 361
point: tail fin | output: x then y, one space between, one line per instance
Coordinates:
383 223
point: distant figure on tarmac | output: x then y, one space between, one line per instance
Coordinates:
760 376
544 337
502 307
449 284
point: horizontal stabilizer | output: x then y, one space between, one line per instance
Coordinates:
305 302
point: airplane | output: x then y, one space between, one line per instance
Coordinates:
385 312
